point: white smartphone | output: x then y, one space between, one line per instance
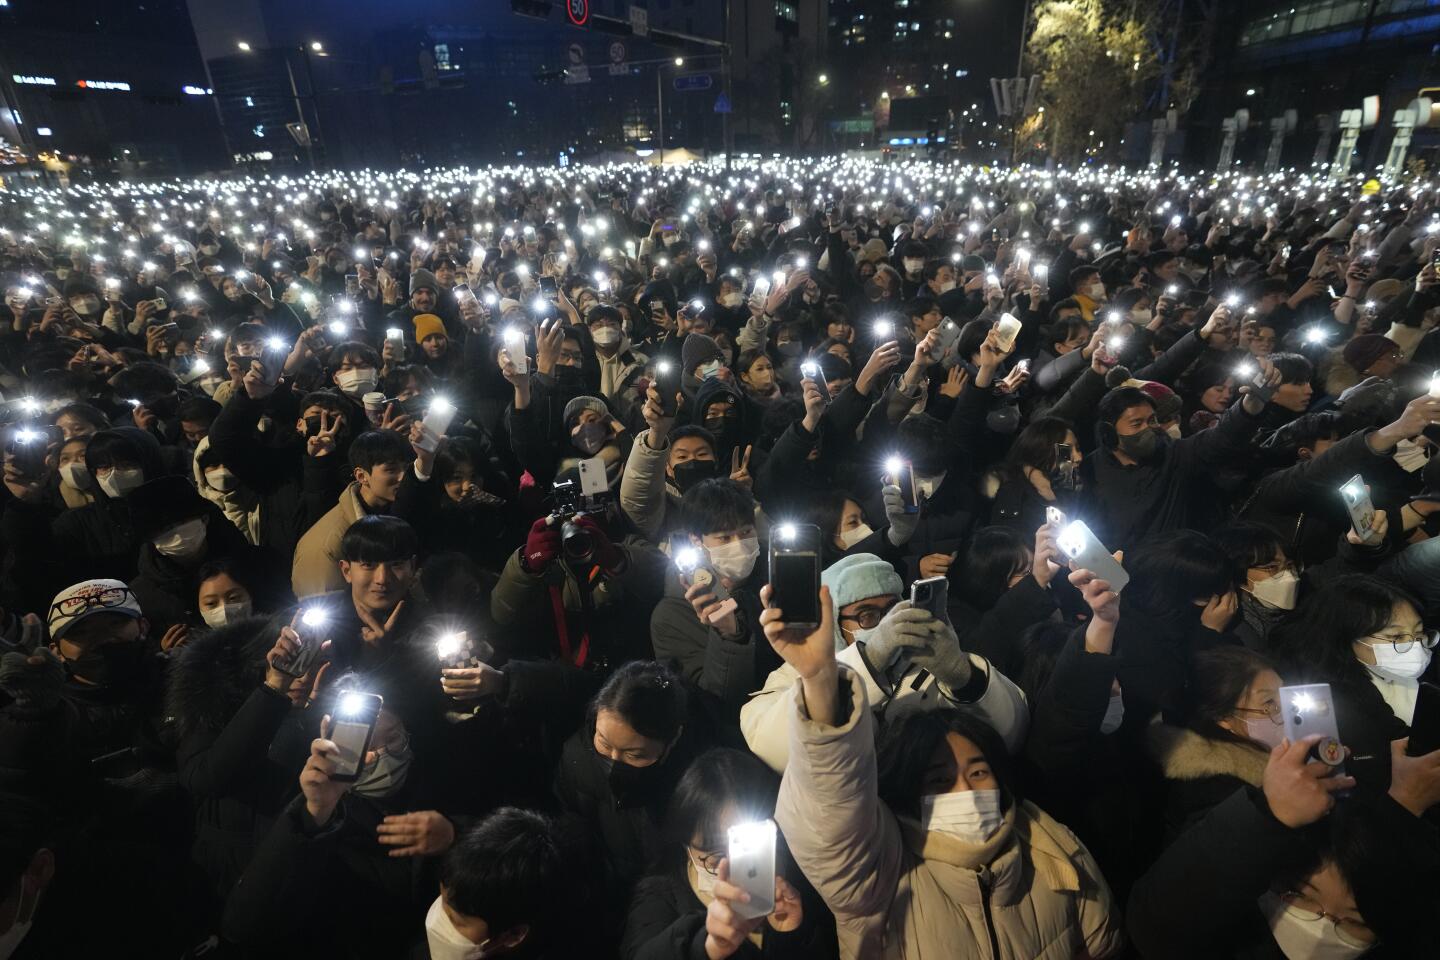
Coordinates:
593 481
945 343
1055 517
438 417
515 347
1007 329
1310 709
1362 509
1086 552
752 866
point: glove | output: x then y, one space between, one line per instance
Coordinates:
605 554
944 658
902 524
542 546
904 630
34 686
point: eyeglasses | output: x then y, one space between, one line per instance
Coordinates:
1273 711
710 863
1403 644
867 618
1353 932
76 605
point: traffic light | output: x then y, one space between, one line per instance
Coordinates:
540 9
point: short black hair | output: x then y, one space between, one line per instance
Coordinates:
379 539
144 381
83 411
1293 367
1247 545
1080 273
1172 570
356 349
715 782
713 506
921 306
374 447
687 430
199 410
649 696
508 870
1120 399
908 741
604 312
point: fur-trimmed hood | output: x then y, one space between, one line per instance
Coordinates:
216 671
1186 755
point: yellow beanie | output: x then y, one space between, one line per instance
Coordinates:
427 325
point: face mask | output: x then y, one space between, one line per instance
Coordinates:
357 382
10 939
1410 456
791 348
704 880
1399 666
445 942
209 384
735 560
1279 592
1096 291
719 426
730 300
854 535
121 482
629 783
927 485
222 480
691 472
1142 317
209 249
112 665
226 613
184 541
971 815
913 266
75 476
606 336
1142 445
1172 430
588 438
707 370
1114 714
85 306
386 775
1303 939
1264 730
567 375
62 273
947 286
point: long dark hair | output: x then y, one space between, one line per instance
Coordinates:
909 740
1035 447
716 781
983 573
1172 570
1314 645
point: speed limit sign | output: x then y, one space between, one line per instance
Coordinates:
578 11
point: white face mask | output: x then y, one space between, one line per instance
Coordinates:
221 479
1173 430
183 541
913 266
357 382
1410 456
947 286
1280 592
735 560
854 535
226 613
447 943
10 939
704 880
1142 317
928 485
75 476
971 815
121 482
731 300
1096 291
1399 666
1114 714
1300 938
1264 730
606 336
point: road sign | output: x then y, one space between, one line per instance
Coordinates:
575 69
694 81
578 11
722 104
639 21
618 66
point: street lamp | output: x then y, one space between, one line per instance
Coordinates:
679 61
316 46
823 79
244 47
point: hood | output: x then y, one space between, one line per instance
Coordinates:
151 457
216 672
711 390
1186 755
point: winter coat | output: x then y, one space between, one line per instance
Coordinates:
240 505
1201 772
316 567
897 891
990 695
168 589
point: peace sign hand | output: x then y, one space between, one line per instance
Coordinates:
740 469
324 443
371 631
389 421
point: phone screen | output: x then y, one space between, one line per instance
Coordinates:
352 737
795 585
547 287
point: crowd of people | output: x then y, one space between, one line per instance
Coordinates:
389 565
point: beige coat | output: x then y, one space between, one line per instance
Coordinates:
1033 891
316 567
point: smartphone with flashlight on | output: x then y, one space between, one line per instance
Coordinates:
695 571
1308 709
752 867
515 347
1086 552
1362 509
795 573
810 370
548 288
667 384
310 630
901 473
438 416
272 359
26 450
351 730
463 294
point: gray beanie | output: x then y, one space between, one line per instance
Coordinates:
577 406
420 277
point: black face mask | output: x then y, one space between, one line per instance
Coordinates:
791 348
632 784
691 472
112 665
569 376
1142 445
720 426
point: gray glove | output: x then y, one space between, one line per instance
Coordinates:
35 687
902 524
890 646
944 658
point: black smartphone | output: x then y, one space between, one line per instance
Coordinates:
932 594
352 284
667 384
273 355
810 370
1425 724
548 289
795 573
27 448
902 474
352 728
311 630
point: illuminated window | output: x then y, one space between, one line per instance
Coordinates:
787 11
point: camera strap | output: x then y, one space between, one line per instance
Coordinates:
562 624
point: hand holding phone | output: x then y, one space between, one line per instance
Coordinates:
752 867
696 572
352 729
1309 709
1085 552
1361 509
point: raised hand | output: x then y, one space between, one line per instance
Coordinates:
740 467
371 630
326 440
426 833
